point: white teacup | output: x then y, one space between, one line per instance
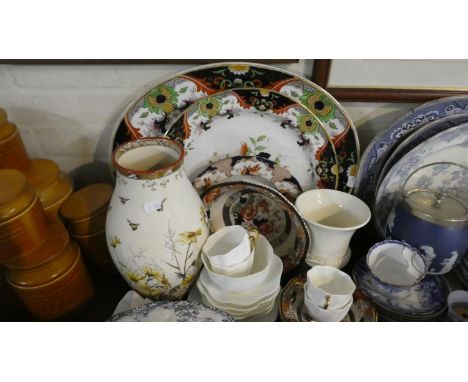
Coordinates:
396 263
227 247
328 287
333 217
326 315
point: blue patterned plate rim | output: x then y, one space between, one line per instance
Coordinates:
382 145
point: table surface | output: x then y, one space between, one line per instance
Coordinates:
110 288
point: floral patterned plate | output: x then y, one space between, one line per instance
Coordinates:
384 143
249 166
450 145
173 311
418 137
156 109
427 298
257 122
255 205
292 308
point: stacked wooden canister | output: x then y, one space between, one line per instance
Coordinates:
85 214
41 262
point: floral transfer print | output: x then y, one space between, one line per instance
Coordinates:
254 166
177 94
309 134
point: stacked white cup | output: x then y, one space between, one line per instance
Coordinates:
241 274
328 293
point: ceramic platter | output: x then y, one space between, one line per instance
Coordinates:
449 146
384 143
250 167
254 205
173 311
256 122
267 316
418 137
428 298
155 111
292 308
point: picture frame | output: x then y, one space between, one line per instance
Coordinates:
321 75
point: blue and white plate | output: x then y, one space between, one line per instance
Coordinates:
427 298
450 146
173 311
419 136
384 143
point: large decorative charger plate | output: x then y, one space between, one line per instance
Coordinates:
257 168
418 137
449 146
156 110
292 308
426 298
255 205
384 143
256 122
173 311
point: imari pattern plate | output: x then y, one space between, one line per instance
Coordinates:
257 122
155 110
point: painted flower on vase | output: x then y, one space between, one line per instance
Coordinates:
161 99
190 237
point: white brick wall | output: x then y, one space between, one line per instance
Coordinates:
67 113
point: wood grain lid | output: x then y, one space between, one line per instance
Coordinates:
15 194
87 201
42 172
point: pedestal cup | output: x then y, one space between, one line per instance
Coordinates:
333 217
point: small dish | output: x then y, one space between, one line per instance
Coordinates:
271 282
292 308
261 308
255 167
261 265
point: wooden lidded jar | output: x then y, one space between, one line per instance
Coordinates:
52 185
85 210
13 154
23 223
55 288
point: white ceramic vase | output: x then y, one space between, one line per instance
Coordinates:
156 223
333 217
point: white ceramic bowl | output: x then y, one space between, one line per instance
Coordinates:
228 246
249 297
259 270
241 269
323 281
329 315
242 313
